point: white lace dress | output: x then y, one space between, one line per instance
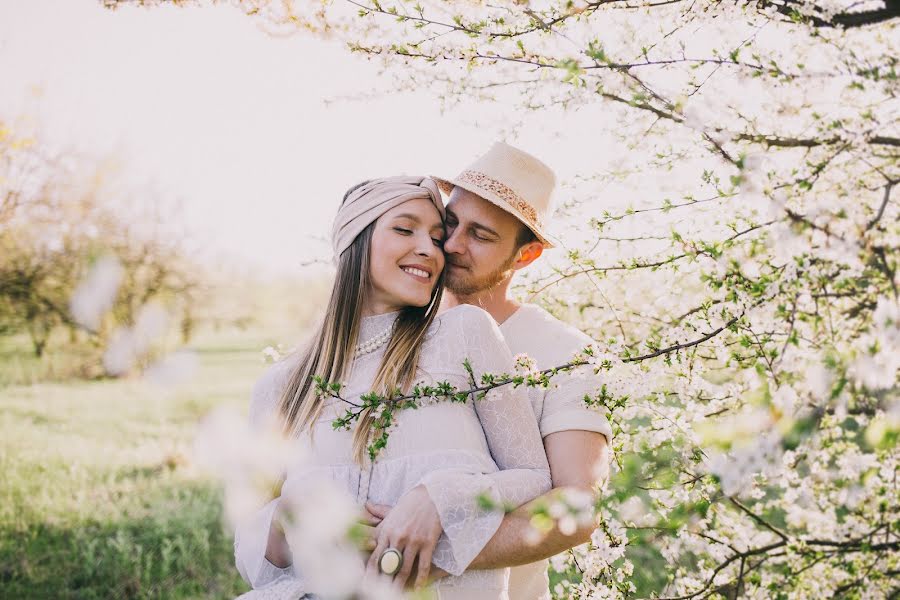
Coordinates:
457 451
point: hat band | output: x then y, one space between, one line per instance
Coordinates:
487 182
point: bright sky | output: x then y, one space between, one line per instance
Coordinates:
235 121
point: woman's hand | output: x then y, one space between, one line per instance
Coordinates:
278 552
413 527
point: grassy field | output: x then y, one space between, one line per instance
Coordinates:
98 495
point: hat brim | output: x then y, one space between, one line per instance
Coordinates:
447 186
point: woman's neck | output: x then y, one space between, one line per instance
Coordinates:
373 309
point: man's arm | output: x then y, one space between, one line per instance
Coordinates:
578 460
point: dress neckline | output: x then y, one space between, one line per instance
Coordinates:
374 325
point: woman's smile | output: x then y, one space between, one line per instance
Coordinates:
420 273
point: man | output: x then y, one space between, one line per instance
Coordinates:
496 219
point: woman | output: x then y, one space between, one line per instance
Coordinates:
381 333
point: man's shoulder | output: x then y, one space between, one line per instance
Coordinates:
533 330
531 317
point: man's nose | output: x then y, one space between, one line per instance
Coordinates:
453 244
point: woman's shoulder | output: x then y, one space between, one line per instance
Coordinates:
268 388
276 376
467 323
466 313
466 317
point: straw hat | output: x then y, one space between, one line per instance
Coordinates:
515 181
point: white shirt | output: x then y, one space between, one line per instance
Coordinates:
453 449
533 331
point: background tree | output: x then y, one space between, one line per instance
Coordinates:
59 223
37 265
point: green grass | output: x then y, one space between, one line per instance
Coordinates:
98 495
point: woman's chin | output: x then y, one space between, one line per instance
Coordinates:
421 301
411 301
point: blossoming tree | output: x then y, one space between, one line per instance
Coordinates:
744 301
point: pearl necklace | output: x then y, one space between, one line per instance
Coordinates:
374 343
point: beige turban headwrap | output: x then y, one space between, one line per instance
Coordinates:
369 201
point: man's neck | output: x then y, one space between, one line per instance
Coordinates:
493 300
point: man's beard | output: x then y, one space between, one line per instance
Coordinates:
462 283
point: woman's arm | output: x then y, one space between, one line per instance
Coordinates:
512 435
277 550
261 552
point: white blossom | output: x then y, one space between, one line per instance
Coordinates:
96 294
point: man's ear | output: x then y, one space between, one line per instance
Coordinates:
528 253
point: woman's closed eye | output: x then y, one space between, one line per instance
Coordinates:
439 242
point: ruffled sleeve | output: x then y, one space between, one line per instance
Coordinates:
251 536
468 503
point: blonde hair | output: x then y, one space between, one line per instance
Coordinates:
330 352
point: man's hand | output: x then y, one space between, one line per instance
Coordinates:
413 527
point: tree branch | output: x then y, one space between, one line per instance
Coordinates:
887 196
847 20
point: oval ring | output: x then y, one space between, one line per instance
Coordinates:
390 561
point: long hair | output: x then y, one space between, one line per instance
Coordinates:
330 352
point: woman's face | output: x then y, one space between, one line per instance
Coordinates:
406 257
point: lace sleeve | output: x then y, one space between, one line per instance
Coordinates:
514 440
251 535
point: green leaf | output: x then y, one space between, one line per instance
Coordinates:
595 51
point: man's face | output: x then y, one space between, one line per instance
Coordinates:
480 245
